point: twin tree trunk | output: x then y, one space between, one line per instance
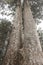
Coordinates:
29 52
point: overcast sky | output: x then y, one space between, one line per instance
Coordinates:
6 13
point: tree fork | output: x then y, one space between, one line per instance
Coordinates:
31 52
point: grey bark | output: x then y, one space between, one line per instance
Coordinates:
30 53
11 57
32 47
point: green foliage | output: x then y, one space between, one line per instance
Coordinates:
40 33
11 2
5 26
35 7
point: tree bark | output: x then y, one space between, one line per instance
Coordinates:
32 47
30 53
12 54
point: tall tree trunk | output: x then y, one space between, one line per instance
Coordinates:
32 47
30 53
12 54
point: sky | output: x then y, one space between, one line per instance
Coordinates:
6 13
40 25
